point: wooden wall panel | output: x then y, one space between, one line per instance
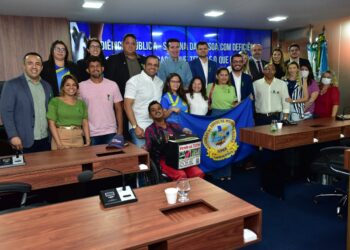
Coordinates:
20 35
338 38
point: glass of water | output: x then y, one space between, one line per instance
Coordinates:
183 187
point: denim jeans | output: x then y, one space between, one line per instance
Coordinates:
102 139
137 141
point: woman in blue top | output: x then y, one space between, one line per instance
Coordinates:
174 99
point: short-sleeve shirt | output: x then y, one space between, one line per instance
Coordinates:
170 100
143 89
223 96
64 114
271 97
100 99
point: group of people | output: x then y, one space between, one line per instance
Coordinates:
140 97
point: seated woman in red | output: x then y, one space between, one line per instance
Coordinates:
327 102
157 135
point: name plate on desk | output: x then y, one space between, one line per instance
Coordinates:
11 161
117 196
184 152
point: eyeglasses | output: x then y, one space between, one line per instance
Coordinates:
173 81
60 49
95 47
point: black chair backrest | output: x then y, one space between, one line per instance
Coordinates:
335 158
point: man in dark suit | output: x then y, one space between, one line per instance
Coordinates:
242 82
256 64
294 56
23 107
122 66
126 64
203 67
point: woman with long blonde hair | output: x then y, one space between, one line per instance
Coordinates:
297 89
327 102
278 60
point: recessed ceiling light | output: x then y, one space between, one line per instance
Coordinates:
277 18
157 33
93 4
210 35
214 13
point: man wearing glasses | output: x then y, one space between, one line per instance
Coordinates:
270 97
242 82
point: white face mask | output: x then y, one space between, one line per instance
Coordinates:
304 73
326 81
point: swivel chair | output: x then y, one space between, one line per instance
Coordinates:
331 167
9 188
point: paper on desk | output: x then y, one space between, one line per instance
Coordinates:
143 167
249 235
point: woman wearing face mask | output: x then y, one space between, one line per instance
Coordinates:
297 89
278 61
312 88
58 66
327 102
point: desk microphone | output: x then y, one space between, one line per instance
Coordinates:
111 197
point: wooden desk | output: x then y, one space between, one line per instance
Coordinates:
61 167
213 219
322 129
274 172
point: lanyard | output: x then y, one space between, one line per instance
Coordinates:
174 104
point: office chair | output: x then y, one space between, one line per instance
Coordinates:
331 167
10 188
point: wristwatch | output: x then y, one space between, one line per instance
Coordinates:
134 126
293 101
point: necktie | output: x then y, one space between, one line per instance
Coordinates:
259 66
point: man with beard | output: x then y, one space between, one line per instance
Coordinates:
203 67
124 65
242 82
294 56
23 107
256 64
103 99
139 92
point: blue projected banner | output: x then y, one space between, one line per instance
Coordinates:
142 32
151 39
161 34
196 34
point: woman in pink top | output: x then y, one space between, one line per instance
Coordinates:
312 88
327 103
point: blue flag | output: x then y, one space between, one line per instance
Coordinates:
220 135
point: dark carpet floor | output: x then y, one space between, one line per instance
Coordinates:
294 223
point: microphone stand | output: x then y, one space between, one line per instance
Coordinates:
111 197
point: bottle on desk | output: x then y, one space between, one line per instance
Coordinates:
273 125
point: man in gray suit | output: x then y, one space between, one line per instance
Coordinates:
23 107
